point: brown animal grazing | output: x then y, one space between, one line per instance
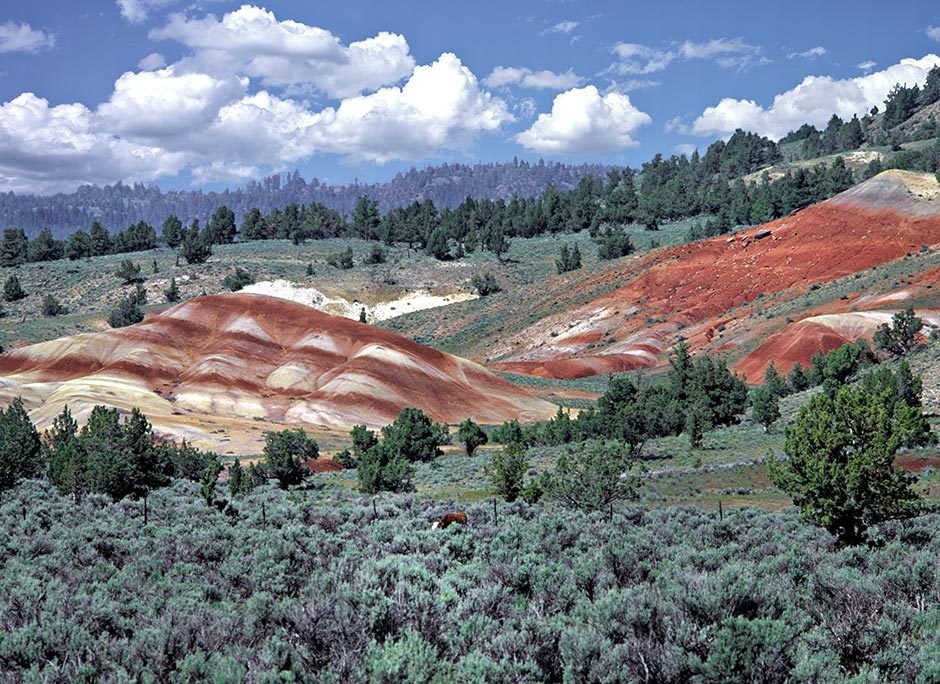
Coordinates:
450 519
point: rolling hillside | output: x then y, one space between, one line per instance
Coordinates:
221 362
726 294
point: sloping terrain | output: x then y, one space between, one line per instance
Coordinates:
256 358
796 343
709 292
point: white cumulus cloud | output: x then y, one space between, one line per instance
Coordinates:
137 11
152 62
635 58
526 78
441 106
867 65
813 101
167 103
810 54
582 121
933 32
207 114
253 41
49 149
23 38
561 27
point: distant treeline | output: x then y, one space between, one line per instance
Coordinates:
668 190
446 186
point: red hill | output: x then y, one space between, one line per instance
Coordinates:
703 291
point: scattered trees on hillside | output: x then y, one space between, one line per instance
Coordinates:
388 464
697 395
899 338
665 189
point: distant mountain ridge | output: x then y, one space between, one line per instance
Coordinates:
117 206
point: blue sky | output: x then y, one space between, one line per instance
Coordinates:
213 93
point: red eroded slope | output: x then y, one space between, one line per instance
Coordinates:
251 356
694 289
797 342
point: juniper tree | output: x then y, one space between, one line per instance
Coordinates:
12 290
285 453
840 468
415 436
899 337
236 478
128 272
173 231
506 471
65 455
53 307
20 452
471 435
385 468
195 247
765 405
172 293
210 477
593 476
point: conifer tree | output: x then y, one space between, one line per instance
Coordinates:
12 290
20 451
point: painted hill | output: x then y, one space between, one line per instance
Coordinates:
711 292
256 358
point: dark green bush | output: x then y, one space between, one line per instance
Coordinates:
53 307
342 260
237 279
